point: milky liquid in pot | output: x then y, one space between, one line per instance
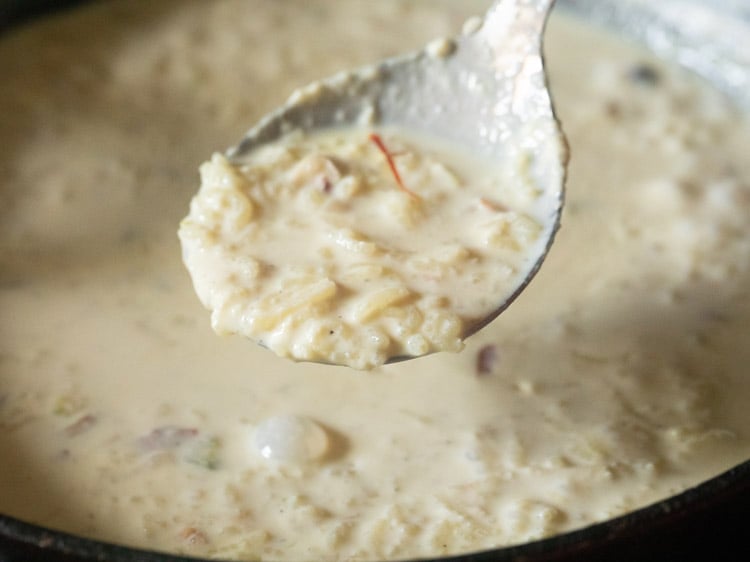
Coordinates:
616 379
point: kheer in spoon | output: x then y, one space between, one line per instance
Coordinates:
388 212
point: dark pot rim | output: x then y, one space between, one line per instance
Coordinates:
653 528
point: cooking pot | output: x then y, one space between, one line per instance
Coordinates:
703 523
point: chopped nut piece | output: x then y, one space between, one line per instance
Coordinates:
486 360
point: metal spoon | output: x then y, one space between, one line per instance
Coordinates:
484 90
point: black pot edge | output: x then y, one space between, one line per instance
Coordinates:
15 12
671 529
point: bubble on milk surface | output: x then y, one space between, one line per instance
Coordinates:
291 438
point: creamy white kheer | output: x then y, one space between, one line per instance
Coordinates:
353 246
616 379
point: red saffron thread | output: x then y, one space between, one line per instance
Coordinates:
374 137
